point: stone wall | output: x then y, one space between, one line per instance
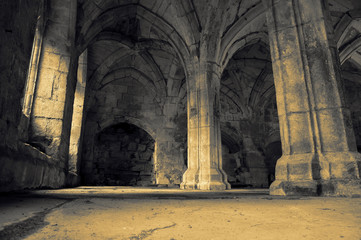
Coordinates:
128 101
21 165
123 155
17 26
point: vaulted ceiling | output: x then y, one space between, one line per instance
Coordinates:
151 40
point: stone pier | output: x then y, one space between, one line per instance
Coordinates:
318 143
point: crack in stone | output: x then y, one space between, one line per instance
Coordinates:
146 233
28 226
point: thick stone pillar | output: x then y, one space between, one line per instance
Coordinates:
50 119
318 143
204 136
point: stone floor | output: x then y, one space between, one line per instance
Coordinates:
145 213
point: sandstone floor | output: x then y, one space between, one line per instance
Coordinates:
145 213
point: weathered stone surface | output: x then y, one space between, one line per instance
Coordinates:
319 147
204 144
118 160
50 118
198 77
21 166
28 167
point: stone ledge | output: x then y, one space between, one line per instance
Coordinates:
29 153
29 150
26 167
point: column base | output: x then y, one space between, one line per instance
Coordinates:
315 174
214 185
294 188
344 188
188 186
213 179
191 181
340 165
217 186
298 167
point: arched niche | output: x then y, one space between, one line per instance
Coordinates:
122 156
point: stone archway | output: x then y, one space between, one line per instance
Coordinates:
123 156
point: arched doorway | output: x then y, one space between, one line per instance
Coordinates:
123 156
248 107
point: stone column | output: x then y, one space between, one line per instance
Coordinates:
77 119
50 118
204 136
318 143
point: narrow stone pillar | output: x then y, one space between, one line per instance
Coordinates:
204 136
50 119
318 143
77 119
